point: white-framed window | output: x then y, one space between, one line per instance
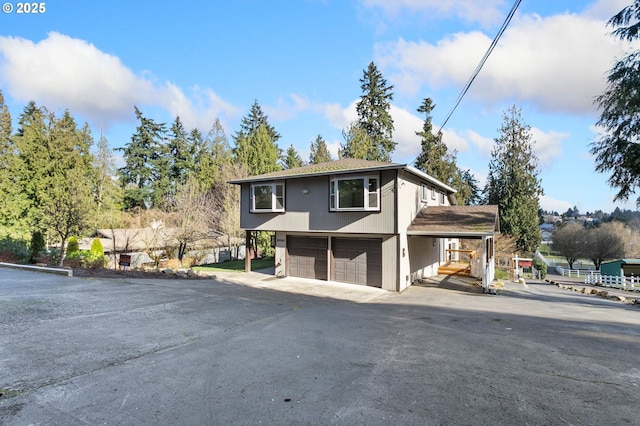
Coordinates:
267 197
433 193
441 197
354 193
425 192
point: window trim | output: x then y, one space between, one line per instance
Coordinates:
334 193
425 192
274 197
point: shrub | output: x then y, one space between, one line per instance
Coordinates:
96 248
96 257
37 246
501 274
540 266
14 251
72 247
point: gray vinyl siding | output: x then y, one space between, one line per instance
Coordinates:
390 263
307 209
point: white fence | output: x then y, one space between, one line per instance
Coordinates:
620 282
566 272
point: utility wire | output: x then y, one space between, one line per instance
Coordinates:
482 61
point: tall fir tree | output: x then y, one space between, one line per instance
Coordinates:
319 152
181 154
256 144
10 191
214 156
250 123
141 156
107 194
513 182
291 158
374 117
435 158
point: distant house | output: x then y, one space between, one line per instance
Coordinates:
363 222
157 239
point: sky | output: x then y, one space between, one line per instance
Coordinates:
302 60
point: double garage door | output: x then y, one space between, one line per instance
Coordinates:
355 261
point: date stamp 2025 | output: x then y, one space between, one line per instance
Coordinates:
24 8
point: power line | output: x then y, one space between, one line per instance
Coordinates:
482 61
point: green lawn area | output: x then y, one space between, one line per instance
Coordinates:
236 265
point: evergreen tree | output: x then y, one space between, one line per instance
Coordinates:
54 167
256 143
107 194
215 156
10 191
469 192
513 182
357 144
141 156
318 152
256 117
181 154
617 150
374 111
435 159
291 158
374 116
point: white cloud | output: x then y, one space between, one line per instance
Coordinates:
484 145
551 204
558 63
547 145
65 72
485 12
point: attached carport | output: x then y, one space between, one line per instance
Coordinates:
468 222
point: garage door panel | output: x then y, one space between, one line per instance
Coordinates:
358 261
307 257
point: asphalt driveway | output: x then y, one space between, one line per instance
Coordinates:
240 350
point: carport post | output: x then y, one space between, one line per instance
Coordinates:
247 251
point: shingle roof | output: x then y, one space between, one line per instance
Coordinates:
344 165
455 221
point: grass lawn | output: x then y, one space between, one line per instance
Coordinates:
237 265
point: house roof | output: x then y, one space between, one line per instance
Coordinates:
345 165
140 239
624 261
456 221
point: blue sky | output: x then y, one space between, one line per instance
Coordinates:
302 61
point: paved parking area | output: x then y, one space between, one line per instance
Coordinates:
251 349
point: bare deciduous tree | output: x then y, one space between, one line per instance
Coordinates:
570 241
605 243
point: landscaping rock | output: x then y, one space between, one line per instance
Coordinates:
168 271
182 274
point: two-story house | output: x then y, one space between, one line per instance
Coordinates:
363 222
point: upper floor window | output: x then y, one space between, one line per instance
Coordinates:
441 197
355 193
267 197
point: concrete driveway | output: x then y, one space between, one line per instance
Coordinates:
240 351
